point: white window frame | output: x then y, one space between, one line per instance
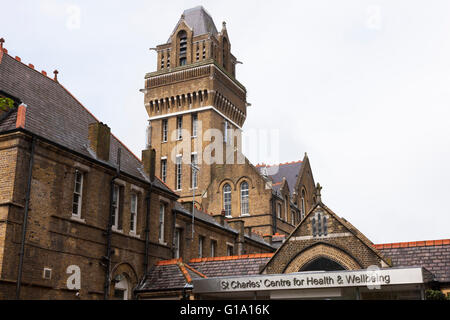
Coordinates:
164 169
278 210
245 210
165 131
194 173
133 212
227 204
194 125
179 128
162 217
116 206
178 173
225 131
79 194
229 245
177 243
213 247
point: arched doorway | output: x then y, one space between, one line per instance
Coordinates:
322 264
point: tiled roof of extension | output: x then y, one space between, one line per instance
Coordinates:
55 114
175 275
433 255
231 266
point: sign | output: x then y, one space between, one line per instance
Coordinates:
310 280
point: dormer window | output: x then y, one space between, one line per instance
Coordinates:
182 36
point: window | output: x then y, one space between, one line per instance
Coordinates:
182 36
303 204
244 199
122 288
225 131
293 217
162 213
116 205
229 250
164 130
77 194
178 173
194 172
194 125
179 128
319 224
164 170
279 210
227 200
201 241
133 210
177 243
213 248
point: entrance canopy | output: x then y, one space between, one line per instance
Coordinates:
391 283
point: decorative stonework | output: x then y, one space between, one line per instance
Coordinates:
322 250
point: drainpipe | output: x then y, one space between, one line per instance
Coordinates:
147 230
25 219
107 258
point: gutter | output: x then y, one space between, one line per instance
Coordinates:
25 219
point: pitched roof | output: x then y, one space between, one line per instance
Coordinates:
276 173
231 266
199 20
433 255
55 114
169 275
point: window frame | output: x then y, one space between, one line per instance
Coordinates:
133 212
194 125
116 206
164 170
164 130
244 198
161 224
79 194
179 128
225 202
178 173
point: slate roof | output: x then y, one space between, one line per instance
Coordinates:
55 114
169 275
276 173
199 20
432 255
231 266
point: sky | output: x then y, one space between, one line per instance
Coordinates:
362 86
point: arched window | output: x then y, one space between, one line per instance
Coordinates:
182 38
227 200
244 199
122 288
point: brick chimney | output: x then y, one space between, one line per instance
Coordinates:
220 218
100 139
238 225
149 161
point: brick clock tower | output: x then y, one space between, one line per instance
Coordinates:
193 90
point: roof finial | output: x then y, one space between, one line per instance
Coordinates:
224 25
182 16
56 75
318 193
1 43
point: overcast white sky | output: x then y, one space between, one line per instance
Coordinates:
362 86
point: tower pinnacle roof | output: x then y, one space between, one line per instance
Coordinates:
199 20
